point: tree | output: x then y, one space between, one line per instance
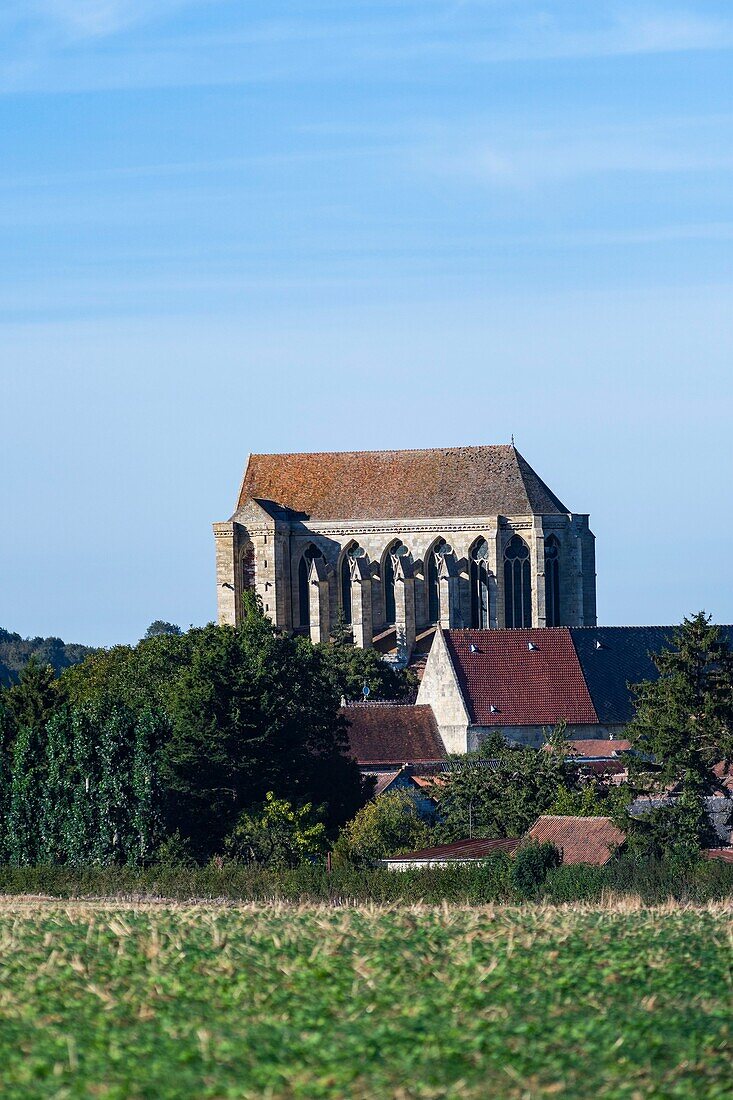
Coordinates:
159 626
387 826
684 719
499 791
350 668
249 710
147 795
35 697
682 727
590 798
56 794
277 834
22 840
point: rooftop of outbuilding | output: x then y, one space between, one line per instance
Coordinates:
393 733
581 839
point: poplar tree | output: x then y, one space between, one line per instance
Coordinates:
25 808
146 792
57 792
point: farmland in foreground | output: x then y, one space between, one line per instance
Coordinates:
107 999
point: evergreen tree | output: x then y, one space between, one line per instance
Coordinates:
684 719
683 726
34 698
350 668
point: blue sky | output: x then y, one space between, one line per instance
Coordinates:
234 227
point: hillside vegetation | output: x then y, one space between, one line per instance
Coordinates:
15 652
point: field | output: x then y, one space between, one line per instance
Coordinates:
107 999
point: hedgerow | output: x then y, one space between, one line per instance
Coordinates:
491 881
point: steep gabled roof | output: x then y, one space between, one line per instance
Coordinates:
382 733
612 657
505 683
442 482
579 674
582 839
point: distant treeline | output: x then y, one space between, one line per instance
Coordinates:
15 652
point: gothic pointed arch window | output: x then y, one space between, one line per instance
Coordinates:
304 567
353 551
395 550
479 577
552 581
247 566
517 584
432 577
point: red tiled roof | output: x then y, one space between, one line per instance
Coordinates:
595 748
726 854
446 481
582 839
463 849
527 687
381 733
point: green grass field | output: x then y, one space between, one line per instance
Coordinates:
116 1000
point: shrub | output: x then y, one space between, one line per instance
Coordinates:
384 827
530 867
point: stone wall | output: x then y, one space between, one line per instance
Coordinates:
535 736
440 689
279 546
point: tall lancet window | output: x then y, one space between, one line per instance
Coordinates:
247 566
552 581
432 577
346 609
304 567
396 549
517 584
479 574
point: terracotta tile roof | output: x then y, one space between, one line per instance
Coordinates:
462 849
505 683
395 733
726 854
446 481
596 748
582 839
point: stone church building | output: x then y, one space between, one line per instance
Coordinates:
391 543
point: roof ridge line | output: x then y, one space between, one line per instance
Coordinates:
386 450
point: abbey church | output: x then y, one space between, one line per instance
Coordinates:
387 544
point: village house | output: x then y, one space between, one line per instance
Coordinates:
524 682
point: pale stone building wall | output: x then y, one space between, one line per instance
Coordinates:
263 544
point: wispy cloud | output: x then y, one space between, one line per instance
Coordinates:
101 18
64 44
534 157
